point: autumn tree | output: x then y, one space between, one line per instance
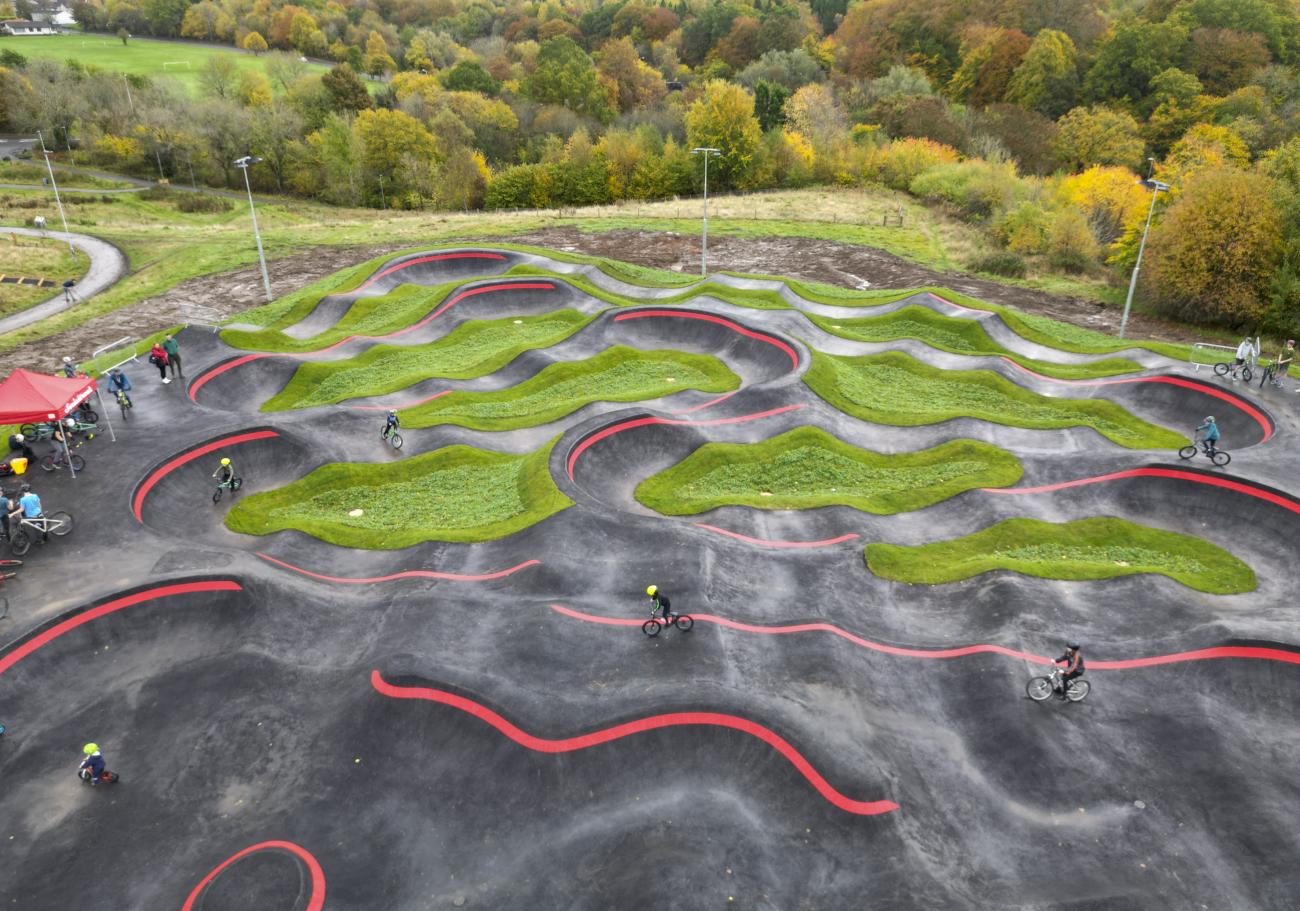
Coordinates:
469 76
740 46
566 75
769 105
377 60
1098 136
990 59
346 89
255 43
391 144
1192 274
634 84
722 118
1224 59
813 112
219 76
1047 79
1131 54
1110 198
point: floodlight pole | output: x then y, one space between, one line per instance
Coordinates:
55 184
243 164
704 247
1156 187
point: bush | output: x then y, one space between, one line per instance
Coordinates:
201 202
1024 228
976 188
1071 245
1002 262
901 162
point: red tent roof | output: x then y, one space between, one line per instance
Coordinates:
27 397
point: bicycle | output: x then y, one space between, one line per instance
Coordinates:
391 436
654 625
1217 456
231 485
1224 368
57 460
124 402
56 523
36 432
1041 688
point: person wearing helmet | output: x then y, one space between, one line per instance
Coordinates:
1211 437
1246 351
391 423
1283 365
93 761
69 369
1072 662
659 602
225 472
118 382
31 507
18 443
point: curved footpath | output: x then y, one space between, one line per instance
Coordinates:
108 265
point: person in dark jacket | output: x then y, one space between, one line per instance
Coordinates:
1072 666
118 382
18 443
173 349
94 761
659 602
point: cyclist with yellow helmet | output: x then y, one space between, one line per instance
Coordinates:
659 602
225 472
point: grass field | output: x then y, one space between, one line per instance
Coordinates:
808 468
1099 548
458 493
34 257
894 388
34 173
152 57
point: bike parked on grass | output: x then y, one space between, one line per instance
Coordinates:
1216 455
1041 688
56 523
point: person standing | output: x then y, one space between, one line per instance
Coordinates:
9 510
158 357
1284 360
31 507
1245 352
69 369
173 349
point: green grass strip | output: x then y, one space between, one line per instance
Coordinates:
474 348
807 468
458 493
1098 548
959 336
618 374
893 388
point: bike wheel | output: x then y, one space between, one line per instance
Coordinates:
28 430
651 628
60 523
47 463
216 495
20 543
236 483
1038 689
1220 458
125 408
1187 452
78 462
396 440
684 623
1222 369
1078 690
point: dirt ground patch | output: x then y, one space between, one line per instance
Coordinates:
835 263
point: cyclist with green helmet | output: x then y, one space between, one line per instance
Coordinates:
94 762
659 602
225 472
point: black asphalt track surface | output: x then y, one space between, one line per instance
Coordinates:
299 725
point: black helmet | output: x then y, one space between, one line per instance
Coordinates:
26 488
1073 646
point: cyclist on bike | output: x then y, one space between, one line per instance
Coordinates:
225 472
659 602
31 507
1211 434
118 383
94 761
391 423
18 443
1073 661
1245 351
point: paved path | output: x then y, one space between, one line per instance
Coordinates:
107 265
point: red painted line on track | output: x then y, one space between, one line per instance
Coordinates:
708 317
709 404
1172 473
221 368
436 395
641 725
766 542
148 484
1224 651
599 435
40 640
405 574
314 903
425 259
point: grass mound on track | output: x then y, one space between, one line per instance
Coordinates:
618 374
1099 548
893 388
474 348
458 493
807 468
959 336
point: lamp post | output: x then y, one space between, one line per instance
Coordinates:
243 164
1156 187
704 249
55 184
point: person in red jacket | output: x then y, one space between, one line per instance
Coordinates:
158 357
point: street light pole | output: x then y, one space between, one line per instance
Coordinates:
1156 187
55 184
704 248
243 164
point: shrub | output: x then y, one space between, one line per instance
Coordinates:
1024 228
1071 245
976 188
1002 262
903 161
201 202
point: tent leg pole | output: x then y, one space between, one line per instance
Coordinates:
68 453
104 411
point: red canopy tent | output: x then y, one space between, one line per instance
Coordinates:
33 398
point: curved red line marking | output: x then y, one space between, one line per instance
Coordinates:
709 404
641 725
137 503
436 395
1223 651
1243 406
317 900
425 259
219 369
45 638
767 542
710 318
405 574
599 435
1173 473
